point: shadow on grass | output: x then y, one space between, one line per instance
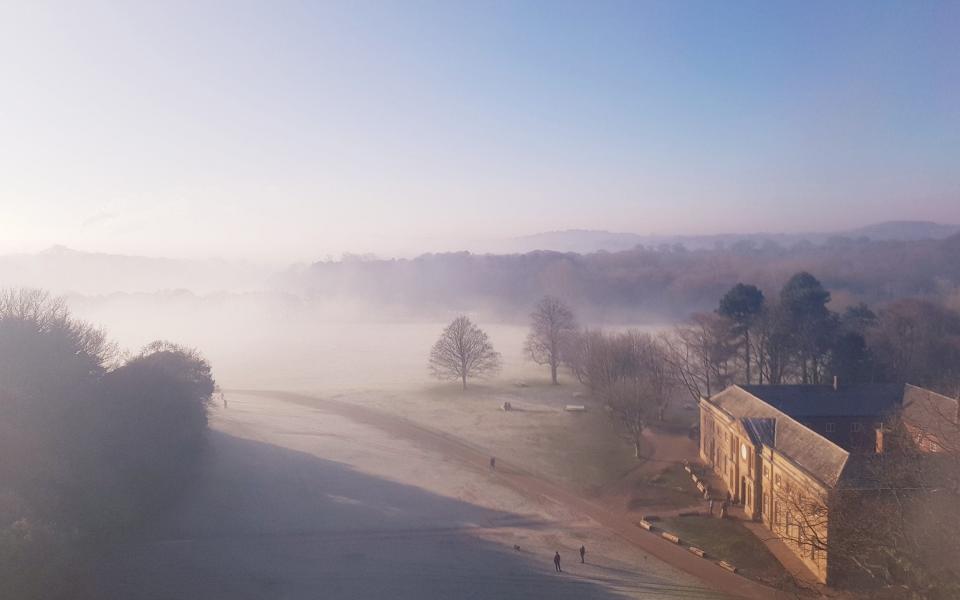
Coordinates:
267 522
726 539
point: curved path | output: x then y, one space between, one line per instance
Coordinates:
528 484
322 499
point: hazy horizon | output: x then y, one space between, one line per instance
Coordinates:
476 245
292 132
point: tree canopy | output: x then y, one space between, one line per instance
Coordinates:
549 322
463 351
99 442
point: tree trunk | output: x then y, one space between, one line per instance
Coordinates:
553 372
746 339
464 378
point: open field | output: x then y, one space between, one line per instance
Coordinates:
274 341
581 450
382 366
297 502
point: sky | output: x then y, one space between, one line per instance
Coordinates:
297 130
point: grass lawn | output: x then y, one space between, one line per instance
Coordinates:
670 487
588 451
726 539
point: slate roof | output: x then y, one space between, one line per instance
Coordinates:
814 453
761 431
933 413
804 401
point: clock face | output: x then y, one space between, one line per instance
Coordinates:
743 451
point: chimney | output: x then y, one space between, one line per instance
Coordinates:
836 383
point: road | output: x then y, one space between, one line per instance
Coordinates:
299 502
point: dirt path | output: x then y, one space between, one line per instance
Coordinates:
542 490
299 501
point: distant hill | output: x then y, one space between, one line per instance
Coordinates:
65 270
583 241
61 270
905 231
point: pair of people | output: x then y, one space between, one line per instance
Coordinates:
556 558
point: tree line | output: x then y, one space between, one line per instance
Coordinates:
656 284
795 337
791 337
92 441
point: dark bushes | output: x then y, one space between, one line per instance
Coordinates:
90 444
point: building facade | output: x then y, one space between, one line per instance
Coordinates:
780 450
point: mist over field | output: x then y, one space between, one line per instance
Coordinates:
278 342
283 342
362 322
466 299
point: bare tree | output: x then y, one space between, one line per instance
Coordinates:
550 321
891 525
587 353
463 351
699 352
641 386
630 407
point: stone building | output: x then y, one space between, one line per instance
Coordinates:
781 449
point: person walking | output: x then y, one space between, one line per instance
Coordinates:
583 551
556 562
493 464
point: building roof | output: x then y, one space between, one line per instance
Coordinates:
814 453
805 401
935 414
762 431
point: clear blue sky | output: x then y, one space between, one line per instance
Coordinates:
292 130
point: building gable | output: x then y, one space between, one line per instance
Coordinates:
815 454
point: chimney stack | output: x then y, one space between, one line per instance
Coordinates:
836 383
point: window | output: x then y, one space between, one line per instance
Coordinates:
831 427
856 427
778 480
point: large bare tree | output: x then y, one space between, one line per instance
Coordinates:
699 353
549 322
586 353
641 386
463 351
